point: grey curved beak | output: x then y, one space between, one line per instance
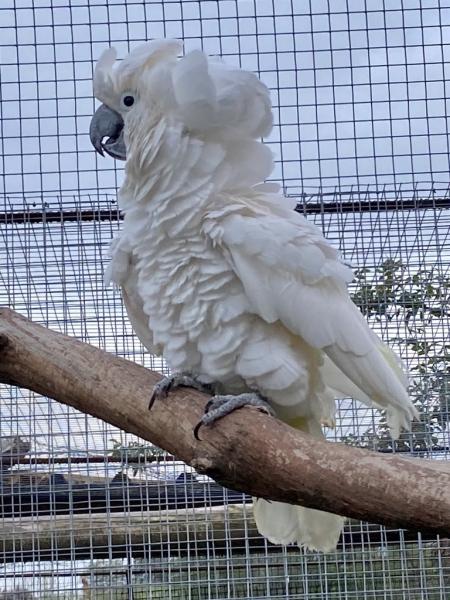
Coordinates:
107 123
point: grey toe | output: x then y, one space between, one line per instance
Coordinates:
221 406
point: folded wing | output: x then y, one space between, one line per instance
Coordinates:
292 274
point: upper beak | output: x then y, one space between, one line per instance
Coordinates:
106 122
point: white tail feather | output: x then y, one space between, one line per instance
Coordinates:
286 524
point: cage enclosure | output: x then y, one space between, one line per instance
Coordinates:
361 141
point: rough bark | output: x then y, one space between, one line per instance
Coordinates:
247 450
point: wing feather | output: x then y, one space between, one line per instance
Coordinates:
121 271
291 274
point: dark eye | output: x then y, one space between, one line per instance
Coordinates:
128 101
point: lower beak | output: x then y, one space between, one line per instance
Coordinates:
107 123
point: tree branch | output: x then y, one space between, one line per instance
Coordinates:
247 450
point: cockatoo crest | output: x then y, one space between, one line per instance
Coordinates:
203 93
111 79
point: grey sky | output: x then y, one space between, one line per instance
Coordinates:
359 97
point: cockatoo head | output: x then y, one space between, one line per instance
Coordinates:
124 90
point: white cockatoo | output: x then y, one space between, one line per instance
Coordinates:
218 273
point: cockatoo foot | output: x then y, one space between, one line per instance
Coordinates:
163 387
221 406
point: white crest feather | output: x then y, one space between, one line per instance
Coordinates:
104 88
147 55
111 78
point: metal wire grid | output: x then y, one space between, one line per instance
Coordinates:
359 88
360 97
113 551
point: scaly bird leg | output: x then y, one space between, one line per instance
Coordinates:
220 406
163 387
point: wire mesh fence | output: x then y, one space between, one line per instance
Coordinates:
361 139
359 88
90 509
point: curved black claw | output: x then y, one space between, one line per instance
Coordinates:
220 406
197 429
163 387
161 390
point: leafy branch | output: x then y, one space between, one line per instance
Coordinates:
135 454
414 308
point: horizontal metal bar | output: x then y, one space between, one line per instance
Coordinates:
308 207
